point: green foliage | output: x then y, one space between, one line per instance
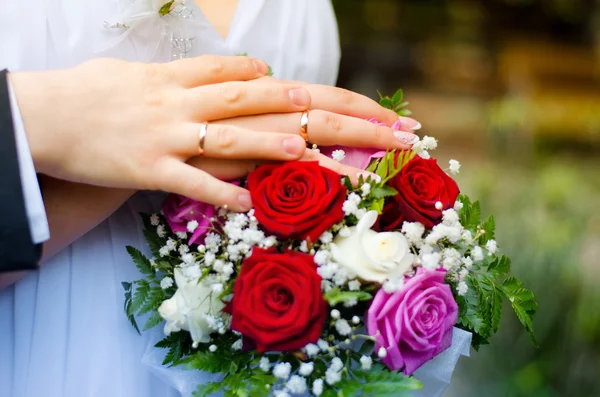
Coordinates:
489 285
179 345
395 102
334 296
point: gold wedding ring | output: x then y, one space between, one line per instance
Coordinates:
202 138
304 125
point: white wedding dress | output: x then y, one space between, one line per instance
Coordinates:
63 332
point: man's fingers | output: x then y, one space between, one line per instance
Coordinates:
180 178
233 99
212 69
224 169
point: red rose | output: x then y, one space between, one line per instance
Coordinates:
297 200
420 184
277 300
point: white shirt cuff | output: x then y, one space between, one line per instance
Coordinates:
34 204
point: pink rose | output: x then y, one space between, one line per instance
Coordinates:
359 157
179 211
415 324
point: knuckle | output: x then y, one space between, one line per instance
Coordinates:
213 64
155 98
346 96
150 73
333 123
231 93
225 137
379 132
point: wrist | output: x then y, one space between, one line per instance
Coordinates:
37 103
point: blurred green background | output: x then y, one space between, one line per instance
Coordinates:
511 88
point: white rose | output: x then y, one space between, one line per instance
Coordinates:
189 307
372 256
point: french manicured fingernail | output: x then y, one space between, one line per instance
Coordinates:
261 66
300 96
294 145
410 123
408 138
366 175
245 201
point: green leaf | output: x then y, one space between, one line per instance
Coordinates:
334 296
367 348
166 8
206 389
488 227
373 165
140 260
381 382
155 299
386 103
523 303
348 183
154 242
470 214
383 191
142 291
153 321
397 97
499 267
270 72
127 306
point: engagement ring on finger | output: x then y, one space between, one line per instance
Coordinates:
201 138
304 126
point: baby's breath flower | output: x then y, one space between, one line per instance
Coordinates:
382 353
212 348
164 251
354 285
365 189
296 385
326 238
491 246
306 369
181 235
462 288
264 364
413 231
439 206
342 327
477 253
238 344
160 230
192 226
335 314
338 155
322 257
311 350
154 220
183 249
323 345
355 320
304 246
166 282
454 167
345 231
425 154
431 261
429 143
366 362
458 205
282 370
317 387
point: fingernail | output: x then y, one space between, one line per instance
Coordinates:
410 123
261 66
294 145
407 138
366 175
245 201
300 96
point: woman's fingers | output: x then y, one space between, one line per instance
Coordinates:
351 172
348 103
232 99
212 69
231 142
329 129
180 178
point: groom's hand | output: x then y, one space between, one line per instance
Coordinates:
119 124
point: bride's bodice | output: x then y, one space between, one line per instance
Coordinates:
297 38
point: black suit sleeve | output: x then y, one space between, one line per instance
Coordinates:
17 250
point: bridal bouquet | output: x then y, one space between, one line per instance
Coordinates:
325 288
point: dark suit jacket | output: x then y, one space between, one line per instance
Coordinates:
17 250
